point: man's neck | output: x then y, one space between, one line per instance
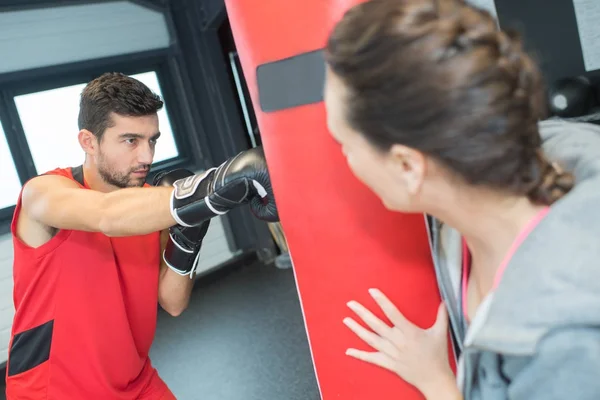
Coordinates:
93 179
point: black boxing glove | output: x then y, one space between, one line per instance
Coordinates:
182 251
243 179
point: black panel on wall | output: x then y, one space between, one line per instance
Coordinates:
549 29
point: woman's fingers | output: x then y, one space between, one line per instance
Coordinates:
376 358
378 326
370 338
389 309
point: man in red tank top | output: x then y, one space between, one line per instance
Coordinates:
96 248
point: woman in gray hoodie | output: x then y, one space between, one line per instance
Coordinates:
437 111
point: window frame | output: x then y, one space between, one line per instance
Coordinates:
163 62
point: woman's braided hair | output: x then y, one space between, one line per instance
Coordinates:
440 77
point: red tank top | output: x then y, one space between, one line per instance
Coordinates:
85 316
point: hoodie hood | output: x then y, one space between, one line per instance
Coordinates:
553 279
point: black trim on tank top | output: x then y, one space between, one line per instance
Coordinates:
77 173
291 82
30 348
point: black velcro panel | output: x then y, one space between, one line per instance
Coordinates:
30 348
291 82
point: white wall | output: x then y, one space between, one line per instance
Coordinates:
6 285
215 249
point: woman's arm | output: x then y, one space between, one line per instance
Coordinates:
444 389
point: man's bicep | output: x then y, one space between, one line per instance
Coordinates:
59 203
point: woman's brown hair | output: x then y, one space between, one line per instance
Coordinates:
440 77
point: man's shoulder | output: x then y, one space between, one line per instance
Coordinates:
59 171
50 178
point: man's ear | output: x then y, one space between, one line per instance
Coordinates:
410 165
88 141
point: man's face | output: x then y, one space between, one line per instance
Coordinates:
126 150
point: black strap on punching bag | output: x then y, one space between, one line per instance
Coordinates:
292 82
77 173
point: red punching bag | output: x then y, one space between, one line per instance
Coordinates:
341 239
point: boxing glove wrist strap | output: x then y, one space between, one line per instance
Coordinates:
190 204
181 257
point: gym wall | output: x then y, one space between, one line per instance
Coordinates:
564 38
6 287
58 35
551 30
37 39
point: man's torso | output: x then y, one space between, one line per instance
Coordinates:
85 315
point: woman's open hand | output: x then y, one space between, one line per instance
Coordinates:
419 356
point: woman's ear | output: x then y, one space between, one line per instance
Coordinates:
87 141
409 166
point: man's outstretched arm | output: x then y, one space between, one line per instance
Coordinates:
57 202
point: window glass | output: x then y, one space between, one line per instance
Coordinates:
11 184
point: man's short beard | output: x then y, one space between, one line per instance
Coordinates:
117 179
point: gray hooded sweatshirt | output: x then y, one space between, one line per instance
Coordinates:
537 335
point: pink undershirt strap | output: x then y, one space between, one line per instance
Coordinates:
511 251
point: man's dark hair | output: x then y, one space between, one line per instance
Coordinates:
117 93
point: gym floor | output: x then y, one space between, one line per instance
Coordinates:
242 337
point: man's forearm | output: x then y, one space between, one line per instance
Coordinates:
174 291
136 211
